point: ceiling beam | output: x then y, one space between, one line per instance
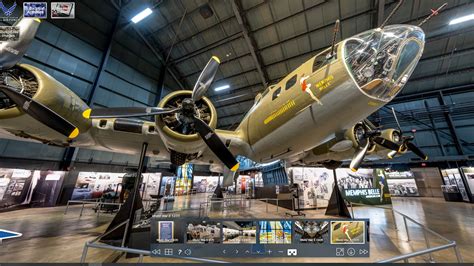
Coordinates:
237 8
177 78
380 12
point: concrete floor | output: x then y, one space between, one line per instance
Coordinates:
51 236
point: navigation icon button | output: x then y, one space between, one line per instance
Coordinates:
351 252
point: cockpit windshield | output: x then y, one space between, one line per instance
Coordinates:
382 60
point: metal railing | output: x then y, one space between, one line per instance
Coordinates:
98 205
429 250
227 202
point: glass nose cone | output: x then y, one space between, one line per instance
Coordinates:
381 60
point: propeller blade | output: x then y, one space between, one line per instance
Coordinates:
12 51
206 78
386 143
121 112
359 157
416 150
215 144
396 120
41 113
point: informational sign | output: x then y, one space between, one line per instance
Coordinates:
469 174
453 177
401 183
366 186
184 179
92 185
9 33
402 187
165 232
205 184
152 184
167 186
314 184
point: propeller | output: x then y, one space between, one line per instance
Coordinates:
41 112
359 156
407 143
186 113
205 79
12 51
370 138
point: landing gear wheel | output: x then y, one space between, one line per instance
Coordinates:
331 164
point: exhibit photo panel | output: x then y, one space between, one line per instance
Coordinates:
366 186
315 185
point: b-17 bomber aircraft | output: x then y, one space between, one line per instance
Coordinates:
316 115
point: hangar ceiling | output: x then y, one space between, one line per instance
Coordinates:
260 41
285 33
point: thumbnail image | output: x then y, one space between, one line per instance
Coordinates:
62 10
239 232
347 232
203 232
166 232
311 232
275 232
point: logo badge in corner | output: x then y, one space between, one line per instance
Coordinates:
35 10
7 11
63 10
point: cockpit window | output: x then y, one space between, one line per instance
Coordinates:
321 59
409 51
381 61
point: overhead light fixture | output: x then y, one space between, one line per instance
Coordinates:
140 16
461 19
221 88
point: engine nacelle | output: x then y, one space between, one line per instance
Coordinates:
175 134
43 88
356 135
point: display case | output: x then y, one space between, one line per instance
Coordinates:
451 193
453 177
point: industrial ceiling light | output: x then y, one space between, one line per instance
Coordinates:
140 16
461 19
221 88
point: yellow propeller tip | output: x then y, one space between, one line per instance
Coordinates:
390 157
217 59
235 167
353 170
74 133
37 20
87 113
426 158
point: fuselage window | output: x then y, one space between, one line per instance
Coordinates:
276 93
290 82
